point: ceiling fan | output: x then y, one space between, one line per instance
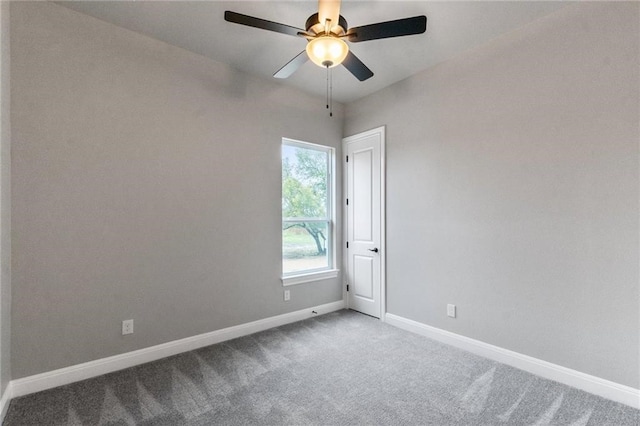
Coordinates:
326 32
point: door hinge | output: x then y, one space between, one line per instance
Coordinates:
347 287
347 158
347 244
347 201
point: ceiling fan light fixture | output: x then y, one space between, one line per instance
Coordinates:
327 51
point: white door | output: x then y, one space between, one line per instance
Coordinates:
364 204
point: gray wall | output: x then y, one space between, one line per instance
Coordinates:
146 185
512 190
5 201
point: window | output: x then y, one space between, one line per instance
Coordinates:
307 212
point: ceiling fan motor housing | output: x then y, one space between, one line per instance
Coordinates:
313 25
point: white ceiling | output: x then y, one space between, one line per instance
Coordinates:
199 26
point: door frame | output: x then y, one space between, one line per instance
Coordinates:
383 220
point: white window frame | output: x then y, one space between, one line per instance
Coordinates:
311 275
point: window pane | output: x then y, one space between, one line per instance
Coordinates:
304 246
304 182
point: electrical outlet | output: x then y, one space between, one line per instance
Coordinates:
451 311
287 295
127 327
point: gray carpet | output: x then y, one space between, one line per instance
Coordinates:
342 368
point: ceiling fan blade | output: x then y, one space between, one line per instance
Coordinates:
397 28
292 66
356 67
329 9
250 21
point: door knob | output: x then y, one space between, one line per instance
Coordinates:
375 250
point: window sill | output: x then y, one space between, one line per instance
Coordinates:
309 277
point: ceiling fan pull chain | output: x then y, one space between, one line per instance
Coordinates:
330 93
327 86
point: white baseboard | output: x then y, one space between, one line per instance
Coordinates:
595 385
4 401
87 370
